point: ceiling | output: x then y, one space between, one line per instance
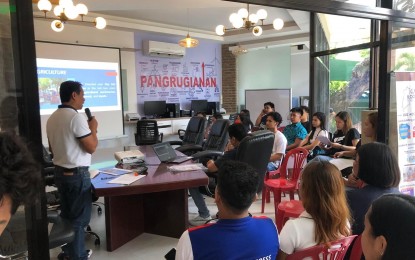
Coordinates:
199 17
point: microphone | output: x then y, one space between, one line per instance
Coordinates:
88 114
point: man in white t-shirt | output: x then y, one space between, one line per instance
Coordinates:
72 140
274 119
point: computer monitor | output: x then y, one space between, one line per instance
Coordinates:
199 106
155 108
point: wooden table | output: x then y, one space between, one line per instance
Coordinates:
155 204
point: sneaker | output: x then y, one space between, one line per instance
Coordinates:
89 252
197 221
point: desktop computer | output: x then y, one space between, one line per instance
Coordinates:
213 108
172 110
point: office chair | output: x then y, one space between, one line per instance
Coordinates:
255 150
53 198
13 241
194 132
147 132
232 118
216 141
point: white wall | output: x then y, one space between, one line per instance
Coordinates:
89 35
300 74
263 69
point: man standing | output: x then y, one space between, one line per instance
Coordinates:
72 140
236 235
274 119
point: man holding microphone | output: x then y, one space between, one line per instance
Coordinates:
72 140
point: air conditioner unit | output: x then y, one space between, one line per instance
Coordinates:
163 49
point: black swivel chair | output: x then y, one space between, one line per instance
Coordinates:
13 242
232 118
147 132
255 150
216 141
194 132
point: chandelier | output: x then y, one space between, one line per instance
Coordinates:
188 42
239 50
249 21
67 11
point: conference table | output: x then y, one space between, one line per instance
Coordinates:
156 203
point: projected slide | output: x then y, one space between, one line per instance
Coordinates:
99 80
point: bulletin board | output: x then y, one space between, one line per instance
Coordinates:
255 99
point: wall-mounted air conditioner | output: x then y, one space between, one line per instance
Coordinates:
163 49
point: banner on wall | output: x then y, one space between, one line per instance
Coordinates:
178 81
405 112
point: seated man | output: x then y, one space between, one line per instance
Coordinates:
236 235
305 118
295 132
262 117
274 119
236 134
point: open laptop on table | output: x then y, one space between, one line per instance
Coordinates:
166 153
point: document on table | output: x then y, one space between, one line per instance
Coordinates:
114 171
342 163
126 179
93 173
324 140
187 167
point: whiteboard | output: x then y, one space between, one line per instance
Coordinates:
255 99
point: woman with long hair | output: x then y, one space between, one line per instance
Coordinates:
310 142
369 130
344 139
377 173
326 216
389 228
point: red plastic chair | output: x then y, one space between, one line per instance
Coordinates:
336 251
283 184
287 210
357 252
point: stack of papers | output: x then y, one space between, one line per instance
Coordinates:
115 171
187 167
126 179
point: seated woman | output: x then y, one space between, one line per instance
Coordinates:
369 130
326 216
389 228
310 142
245 120
344 139
376 172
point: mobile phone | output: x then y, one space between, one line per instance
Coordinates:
171 255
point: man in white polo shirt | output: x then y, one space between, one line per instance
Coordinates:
72 140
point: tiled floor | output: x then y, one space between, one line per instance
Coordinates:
148 246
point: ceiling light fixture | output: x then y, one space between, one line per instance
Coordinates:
188 42
249 21
239 50
66 11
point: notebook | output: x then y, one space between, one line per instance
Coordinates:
166 153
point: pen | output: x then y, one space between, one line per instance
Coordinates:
106 178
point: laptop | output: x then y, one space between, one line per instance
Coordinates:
166 153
